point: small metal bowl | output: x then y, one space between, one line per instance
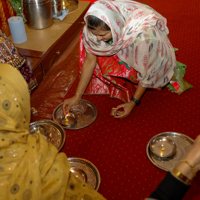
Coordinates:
162 147
70 122
79 173
85 171
35 128
69 5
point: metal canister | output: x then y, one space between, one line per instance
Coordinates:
56 8
38 13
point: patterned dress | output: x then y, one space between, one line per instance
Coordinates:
10 55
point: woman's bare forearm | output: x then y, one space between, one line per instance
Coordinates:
139 92
86 73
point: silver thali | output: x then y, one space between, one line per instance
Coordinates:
183 145
85 171
55 133
85 112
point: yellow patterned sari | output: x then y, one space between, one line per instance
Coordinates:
31 168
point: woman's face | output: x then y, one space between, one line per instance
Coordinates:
102 35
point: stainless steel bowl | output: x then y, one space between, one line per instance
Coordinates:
163 147
33 128
85 171
68 120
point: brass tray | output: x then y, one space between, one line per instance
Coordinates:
85 171
55 132
85 112
183 145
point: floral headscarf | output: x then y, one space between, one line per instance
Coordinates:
126 20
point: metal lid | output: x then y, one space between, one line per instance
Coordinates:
73 1
56 1
35 2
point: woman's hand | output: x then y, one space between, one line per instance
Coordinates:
128 107
70 102
193 156
86 75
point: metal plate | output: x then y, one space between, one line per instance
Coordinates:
56 134
85 112
86 171
183 145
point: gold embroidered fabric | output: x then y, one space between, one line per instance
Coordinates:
31 168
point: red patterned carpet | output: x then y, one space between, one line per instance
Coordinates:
118 147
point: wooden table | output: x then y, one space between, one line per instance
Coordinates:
45 46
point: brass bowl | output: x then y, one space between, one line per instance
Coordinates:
69 5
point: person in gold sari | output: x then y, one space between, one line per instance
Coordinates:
31 168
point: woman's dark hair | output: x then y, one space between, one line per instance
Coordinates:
94 22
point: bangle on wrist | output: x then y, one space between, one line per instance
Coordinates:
135 100
192 168
182 177
78 94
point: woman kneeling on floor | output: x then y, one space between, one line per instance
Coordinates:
123 46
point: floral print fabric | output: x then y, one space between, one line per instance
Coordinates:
140 39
